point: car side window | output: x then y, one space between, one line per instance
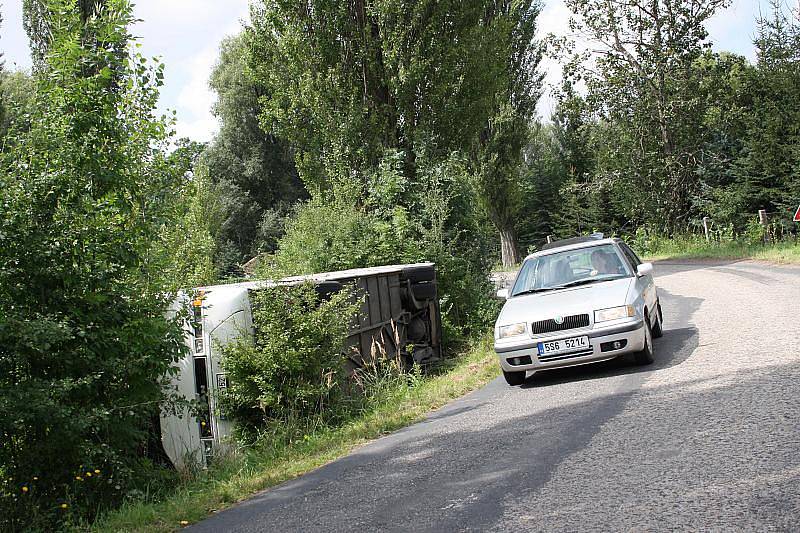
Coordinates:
632 257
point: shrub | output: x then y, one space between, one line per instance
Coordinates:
84 345
294 367
393 219
333 233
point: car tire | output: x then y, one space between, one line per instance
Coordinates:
658 330
419 274
424 291
514 378
646 356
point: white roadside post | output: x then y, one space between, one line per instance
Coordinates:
764 221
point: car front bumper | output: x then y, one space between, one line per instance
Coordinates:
630 333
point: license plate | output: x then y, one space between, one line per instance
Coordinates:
574 344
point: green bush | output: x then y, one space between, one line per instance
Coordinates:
295 366
84 343
393 219
327 234
754 232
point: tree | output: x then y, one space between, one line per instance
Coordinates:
498 180
644 85
573 129
38 18
85 347
36 21
185 247
252 171
502 140
542 178
377 99
2 71
768 166
16 97
725 85
347 82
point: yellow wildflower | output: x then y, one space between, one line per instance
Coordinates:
96 471
88 474
63 505
184 522
24 489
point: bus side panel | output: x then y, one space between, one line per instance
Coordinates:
180 437
237 326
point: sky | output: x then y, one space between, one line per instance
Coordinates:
186 35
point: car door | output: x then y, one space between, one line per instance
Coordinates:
644 284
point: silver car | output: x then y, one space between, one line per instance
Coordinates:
578 301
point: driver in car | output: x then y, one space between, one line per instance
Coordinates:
603 264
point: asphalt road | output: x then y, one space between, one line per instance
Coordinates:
708 437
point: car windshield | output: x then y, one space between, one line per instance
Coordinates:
570 268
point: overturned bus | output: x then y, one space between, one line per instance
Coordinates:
400 308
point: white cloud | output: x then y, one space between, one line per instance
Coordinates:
196 98
554 20
187 34
730 29
201 129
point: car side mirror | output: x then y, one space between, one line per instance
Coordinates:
502 294
644 269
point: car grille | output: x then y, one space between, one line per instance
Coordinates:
570 322
559 357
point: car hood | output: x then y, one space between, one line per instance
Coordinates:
565 302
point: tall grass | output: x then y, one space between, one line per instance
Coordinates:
696 247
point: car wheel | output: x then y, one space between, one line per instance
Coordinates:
424 291
646 356
658 330
419 274
514 378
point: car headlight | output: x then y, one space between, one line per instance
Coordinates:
613 313
512 330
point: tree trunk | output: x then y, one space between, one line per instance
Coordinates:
509 250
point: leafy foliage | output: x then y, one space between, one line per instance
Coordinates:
84 343
434 219
186 246
250 171
668 131
645 88
767 168
16 98
499 151
294 366
400 115
346 82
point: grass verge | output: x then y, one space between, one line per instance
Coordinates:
780 253
257 469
